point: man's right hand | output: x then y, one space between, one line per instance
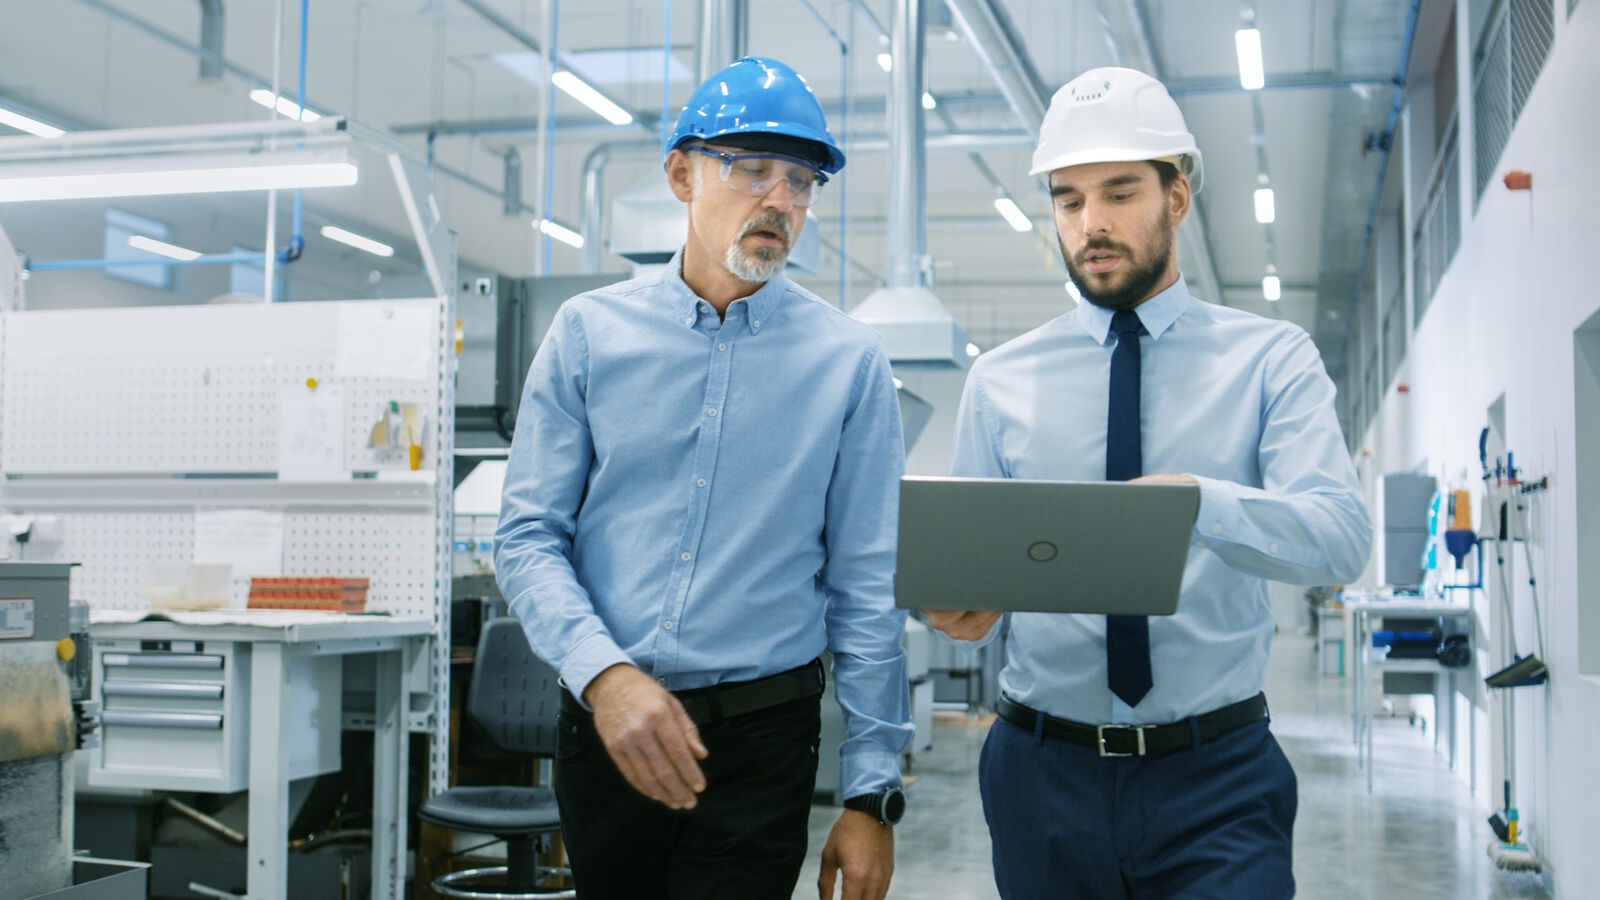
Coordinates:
648 735
963 625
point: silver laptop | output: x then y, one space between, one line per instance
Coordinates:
1043 546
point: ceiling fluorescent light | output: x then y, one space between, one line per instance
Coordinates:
885 62
1271 288
579 90
161 248
285 107
360 242
1247 41
927 101
1266 210
144 176
561 233
1013 214
32 126
972 349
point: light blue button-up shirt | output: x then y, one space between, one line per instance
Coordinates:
713 500
1240 402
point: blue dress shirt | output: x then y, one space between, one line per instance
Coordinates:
713 500
1240 402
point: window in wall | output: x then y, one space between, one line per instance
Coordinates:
1586 397
121 227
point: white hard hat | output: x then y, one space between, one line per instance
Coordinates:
1115 115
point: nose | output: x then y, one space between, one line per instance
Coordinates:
779 197
1096 219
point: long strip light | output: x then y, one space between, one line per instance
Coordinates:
1266 209
1247 41
1013 214
1271 288
358 241
161 248
148 177
32 126
579 90
285 107
561 233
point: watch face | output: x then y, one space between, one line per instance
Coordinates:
894 805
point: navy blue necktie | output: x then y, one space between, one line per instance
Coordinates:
1127 637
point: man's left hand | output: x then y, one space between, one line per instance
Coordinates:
861 848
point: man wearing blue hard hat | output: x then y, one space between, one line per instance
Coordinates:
701 498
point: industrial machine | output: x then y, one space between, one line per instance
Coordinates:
45 717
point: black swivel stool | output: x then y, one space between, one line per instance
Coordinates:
512 699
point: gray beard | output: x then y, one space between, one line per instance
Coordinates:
765 263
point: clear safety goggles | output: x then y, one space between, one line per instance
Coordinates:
757 174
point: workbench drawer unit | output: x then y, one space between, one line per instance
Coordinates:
176 715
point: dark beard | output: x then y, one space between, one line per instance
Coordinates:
1140 279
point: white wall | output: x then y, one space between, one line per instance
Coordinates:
1501 325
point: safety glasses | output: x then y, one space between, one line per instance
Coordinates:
756 174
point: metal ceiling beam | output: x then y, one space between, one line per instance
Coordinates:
991 36
724 35
1297 81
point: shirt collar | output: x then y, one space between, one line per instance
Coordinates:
685 302
1156 314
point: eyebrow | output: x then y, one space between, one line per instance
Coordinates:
1113 181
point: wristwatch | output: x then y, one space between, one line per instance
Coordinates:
887 805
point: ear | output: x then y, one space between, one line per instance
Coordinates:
680 175
1179 199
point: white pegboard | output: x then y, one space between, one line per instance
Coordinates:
394 549
190 389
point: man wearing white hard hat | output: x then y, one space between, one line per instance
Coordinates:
701 498
1132 756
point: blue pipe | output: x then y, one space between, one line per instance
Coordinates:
65 265
297 241
1377 192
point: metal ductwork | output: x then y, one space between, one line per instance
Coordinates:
212 31
915 326
724 35
989 32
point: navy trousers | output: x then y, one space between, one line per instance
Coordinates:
1214 821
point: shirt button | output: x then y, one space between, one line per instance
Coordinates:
755 323
685 557
1216 528
701 482
722 346
667 624
662 681
712 412
1272 548
689 321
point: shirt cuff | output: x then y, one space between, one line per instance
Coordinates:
592 655
868 772
1220 513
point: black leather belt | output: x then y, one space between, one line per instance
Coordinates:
708 705
1139 740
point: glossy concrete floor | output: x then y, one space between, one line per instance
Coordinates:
1419 835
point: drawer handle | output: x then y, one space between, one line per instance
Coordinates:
162 719
162 661
160 689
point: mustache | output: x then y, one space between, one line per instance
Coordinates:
773 222
1102 244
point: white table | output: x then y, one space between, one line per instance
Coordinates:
1362 608
273 636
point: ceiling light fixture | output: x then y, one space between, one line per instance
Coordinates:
579 90
285 107
161 248
1271 288
1266 209
561 233
885 62
972 350
1247 41
32 126
358 241
927 101
1013 214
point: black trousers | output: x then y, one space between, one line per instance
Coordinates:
746 837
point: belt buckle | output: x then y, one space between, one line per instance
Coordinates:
1100 737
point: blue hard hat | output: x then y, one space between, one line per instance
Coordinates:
757 95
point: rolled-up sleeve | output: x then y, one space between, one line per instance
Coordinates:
1306 523
546 474
864 627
